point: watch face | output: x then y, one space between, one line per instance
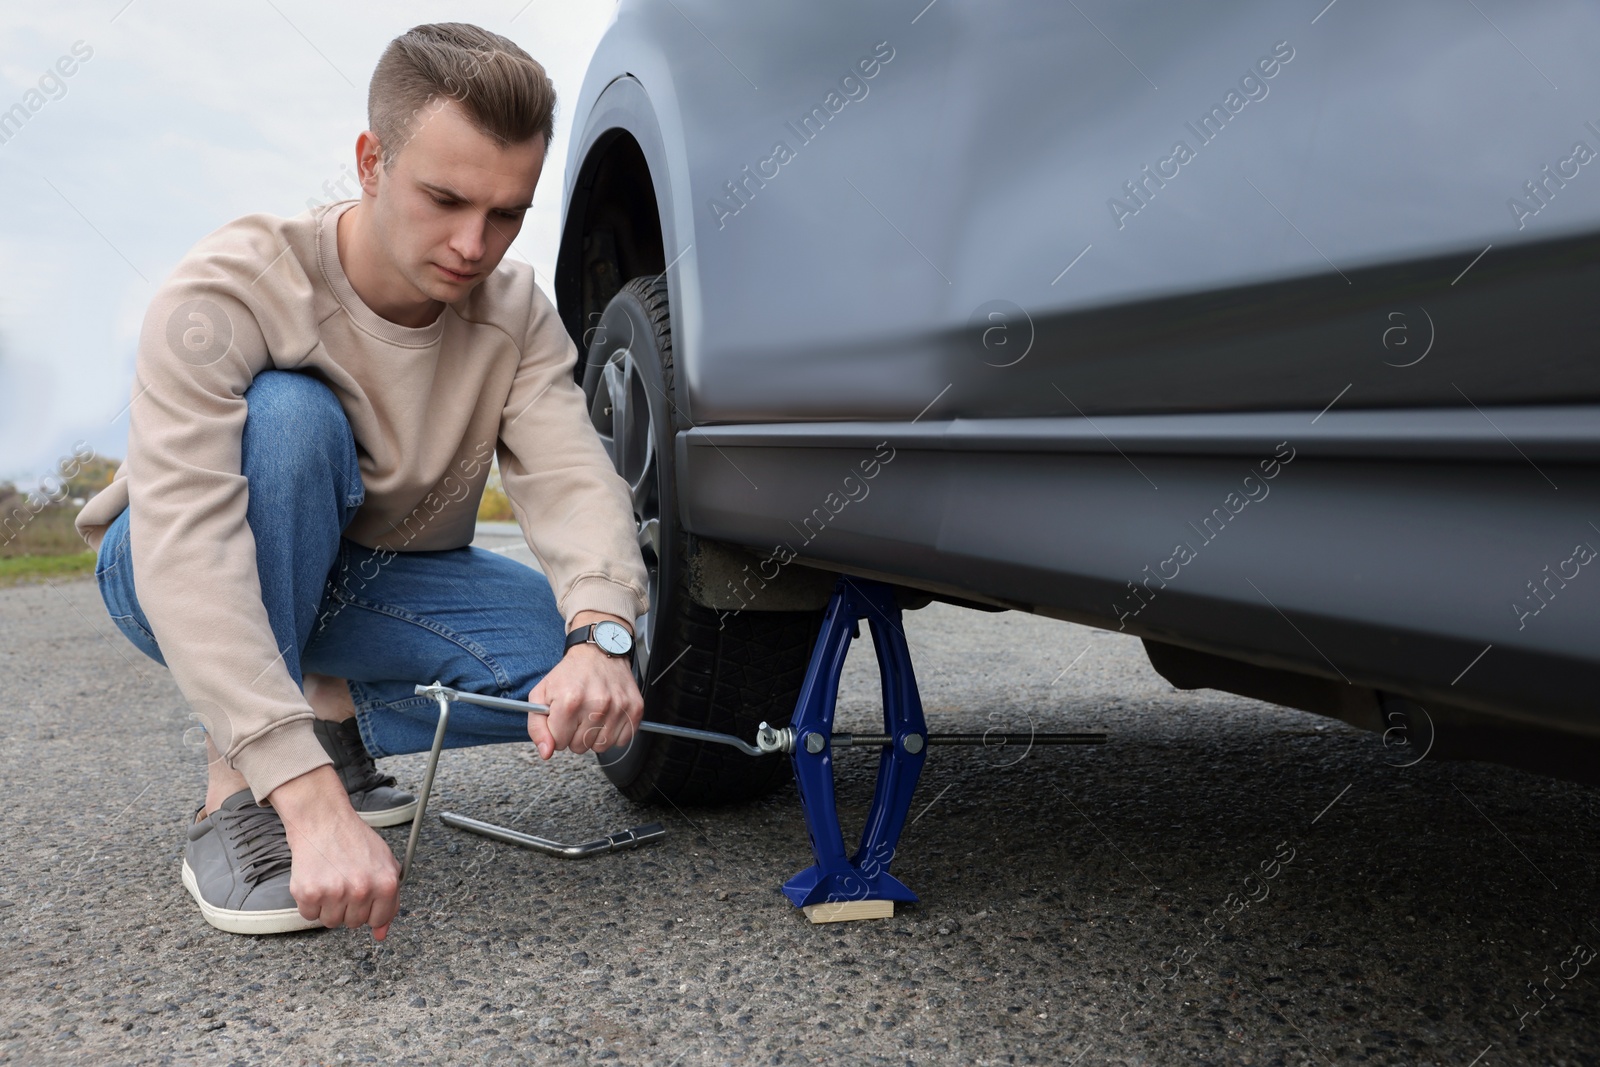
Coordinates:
613 637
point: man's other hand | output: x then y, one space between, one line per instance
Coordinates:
343 873
593 700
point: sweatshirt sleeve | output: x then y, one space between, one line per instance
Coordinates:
193 553
574 509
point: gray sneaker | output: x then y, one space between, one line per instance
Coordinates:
373 795
236 866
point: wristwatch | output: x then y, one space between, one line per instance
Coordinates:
609 637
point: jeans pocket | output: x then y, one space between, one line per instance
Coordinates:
113 550
111 574
114 575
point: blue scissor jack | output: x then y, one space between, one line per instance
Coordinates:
835 879
860 886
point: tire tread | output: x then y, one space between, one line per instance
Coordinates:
740 668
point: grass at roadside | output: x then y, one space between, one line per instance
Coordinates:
38 537
15 570
37 531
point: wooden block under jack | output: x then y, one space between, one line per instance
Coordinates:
844 911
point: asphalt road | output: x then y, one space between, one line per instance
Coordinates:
1075 908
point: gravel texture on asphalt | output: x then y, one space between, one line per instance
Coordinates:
1224 882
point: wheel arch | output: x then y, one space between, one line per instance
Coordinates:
617 222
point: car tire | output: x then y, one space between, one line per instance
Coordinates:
696 666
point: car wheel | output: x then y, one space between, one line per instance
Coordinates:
696 666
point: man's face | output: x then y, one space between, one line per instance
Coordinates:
451 202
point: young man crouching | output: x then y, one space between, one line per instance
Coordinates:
315 404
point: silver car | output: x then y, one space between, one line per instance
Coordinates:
1263 332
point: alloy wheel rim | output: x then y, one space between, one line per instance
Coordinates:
624 414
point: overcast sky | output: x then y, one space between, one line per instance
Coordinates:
186 114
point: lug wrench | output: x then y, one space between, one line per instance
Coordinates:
631 838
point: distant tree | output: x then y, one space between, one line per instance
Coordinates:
93 475
494 505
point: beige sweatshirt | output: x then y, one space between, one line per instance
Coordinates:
428 406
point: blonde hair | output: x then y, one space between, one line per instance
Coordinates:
502 90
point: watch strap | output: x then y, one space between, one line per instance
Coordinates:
579 636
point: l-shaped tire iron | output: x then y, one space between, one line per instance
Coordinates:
836 887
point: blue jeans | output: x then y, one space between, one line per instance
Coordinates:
384 621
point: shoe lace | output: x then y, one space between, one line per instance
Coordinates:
357 768
263 843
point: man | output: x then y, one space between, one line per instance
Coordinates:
316 402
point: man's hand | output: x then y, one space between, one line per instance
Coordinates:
594 702
343 873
